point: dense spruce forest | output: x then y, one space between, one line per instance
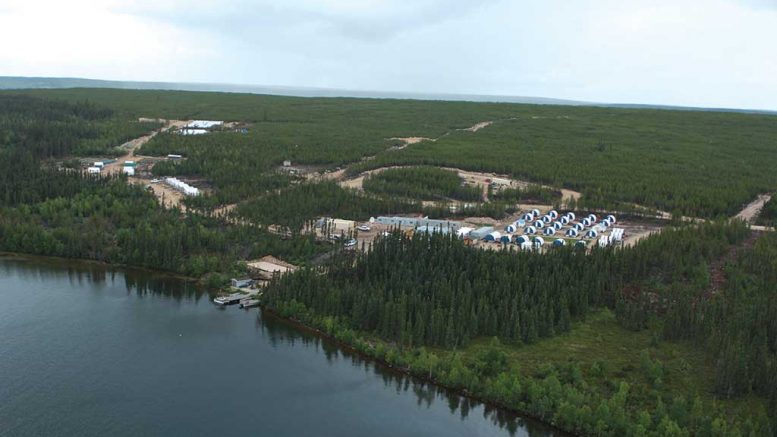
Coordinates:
674 336
422 183
768 215
53 128
409 294
695 163
66 213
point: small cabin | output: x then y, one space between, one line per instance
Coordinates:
242 283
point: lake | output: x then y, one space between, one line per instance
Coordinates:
89 350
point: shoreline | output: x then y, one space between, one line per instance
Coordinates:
406 372
302 327
103 264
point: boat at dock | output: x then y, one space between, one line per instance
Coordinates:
249 303
231 299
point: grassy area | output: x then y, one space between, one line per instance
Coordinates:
606 352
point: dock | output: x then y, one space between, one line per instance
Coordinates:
231 299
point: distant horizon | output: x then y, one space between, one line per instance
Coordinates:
57 82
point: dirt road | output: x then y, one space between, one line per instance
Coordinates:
131 146
750 212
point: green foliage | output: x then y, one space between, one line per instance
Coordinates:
51 128
696 163
108 220
768 215
299 205
423 183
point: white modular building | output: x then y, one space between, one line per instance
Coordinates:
129 171
204 124
182 187
93 170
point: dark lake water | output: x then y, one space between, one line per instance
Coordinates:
90 351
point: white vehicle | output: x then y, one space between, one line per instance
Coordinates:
363 228
350 243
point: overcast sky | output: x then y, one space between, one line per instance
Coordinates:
720 53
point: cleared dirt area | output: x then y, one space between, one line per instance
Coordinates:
167 196
751 211
131 146
469 177
479 126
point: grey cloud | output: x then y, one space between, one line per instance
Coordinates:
244 18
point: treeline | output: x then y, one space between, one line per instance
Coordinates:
691 163
423 183
24 181
419 292
434 291
532 193
296 206
50 128
68 214
768 214
735 319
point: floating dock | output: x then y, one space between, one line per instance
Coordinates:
231 299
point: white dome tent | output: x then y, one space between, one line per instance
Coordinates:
572 232
530 230
591 233
549 231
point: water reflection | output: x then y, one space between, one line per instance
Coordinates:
79 273
280 332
